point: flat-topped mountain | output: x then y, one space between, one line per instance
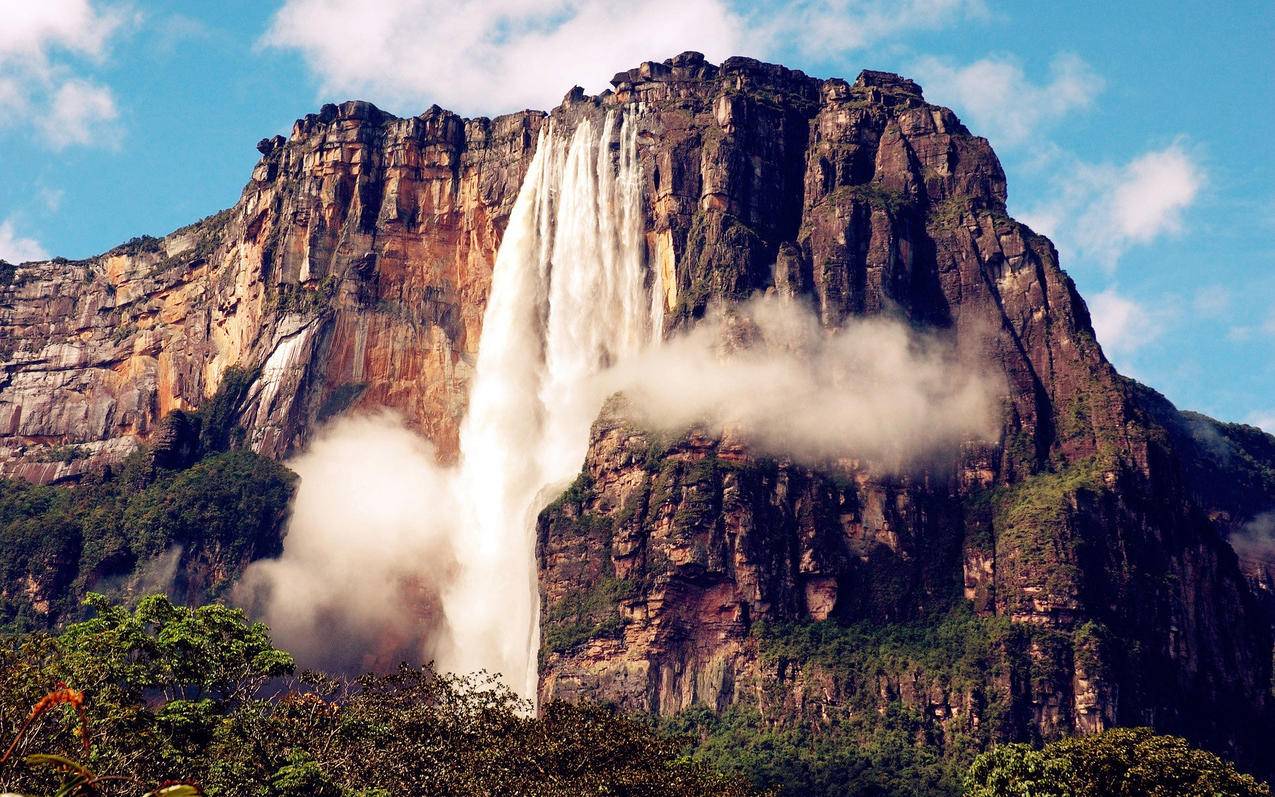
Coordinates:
1073 575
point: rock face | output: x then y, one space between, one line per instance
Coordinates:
1088 527
1087 546
353 270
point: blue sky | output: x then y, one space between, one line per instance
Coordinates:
1142 140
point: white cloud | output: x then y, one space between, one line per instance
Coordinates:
491 57
1123 325
51 198
42 47
16 249
822 29
874 389
1264 420
1099 212
83 113
32 29
503 55
999 99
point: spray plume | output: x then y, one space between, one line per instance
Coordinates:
770 375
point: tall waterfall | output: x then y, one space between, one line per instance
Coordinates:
570 295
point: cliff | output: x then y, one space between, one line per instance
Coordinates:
353 270
1085 553
1096 527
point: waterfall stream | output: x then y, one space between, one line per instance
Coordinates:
570 294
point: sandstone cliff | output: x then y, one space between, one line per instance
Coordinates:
1088 544
354 269
1087 528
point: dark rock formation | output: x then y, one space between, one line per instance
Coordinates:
1090 527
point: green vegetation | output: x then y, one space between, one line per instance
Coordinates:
65 454
879 197
306 300
882 755
958 650
858 744
591 613
1123 762
1031 520
720 251
212 504
1045 497
948 213
141 244
166 693
60 542
854 743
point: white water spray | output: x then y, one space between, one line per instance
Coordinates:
569 296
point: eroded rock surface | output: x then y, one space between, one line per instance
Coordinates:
353 270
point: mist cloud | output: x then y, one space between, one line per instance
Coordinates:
770 375
1256 539
368 549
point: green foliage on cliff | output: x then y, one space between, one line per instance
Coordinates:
1032 524
187 521
956 650
883 755
117 530
891 708
1122 762
590 613
861 744
171 692
339 400
307 300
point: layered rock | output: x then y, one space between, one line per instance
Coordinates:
1083 526
353 270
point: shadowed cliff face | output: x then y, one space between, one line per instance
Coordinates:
354 273
1082 527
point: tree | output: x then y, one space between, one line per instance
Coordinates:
1122 762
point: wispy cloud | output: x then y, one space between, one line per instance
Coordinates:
1101 211
823 29
14 248
1212 301
44 48
1263 419
509 54
1000 101
81 113
491 57
1122 324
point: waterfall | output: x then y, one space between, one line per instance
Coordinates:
570 295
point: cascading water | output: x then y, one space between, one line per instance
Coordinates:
570 295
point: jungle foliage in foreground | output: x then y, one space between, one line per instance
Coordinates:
1122 762
201 695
